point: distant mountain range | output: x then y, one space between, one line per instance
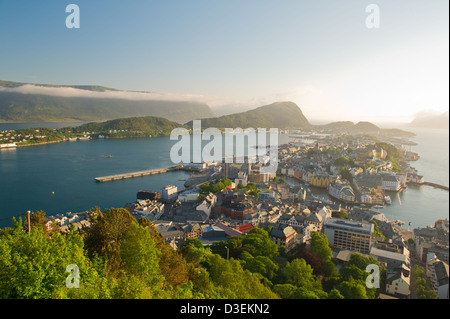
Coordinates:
428 120
23 102
361 128
280 115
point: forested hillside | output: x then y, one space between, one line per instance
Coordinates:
120 257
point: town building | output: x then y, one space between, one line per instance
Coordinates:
398 281
169 193
347 234
343 192
437 271
284 236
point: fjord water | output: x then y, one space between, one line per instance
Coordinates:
423 205
30 175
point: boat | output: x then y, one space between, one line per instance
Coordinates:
377 206
398 222
388 200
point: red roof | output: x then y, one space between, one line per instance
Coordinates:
245 228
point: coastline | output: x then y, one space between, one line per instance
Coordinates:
39 144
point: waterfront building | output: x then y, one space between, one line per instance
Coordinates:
169 193
321 180
342 192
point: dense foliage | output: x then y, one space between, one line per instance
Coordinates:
423 286
120 257
130 127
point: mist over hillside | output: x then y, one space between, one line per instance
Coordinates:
20 102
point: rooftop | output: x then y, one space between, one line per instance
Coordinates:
349 224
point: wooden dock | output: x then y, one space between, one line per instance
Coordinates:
117 177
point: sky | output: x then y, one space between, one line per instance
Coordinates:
239 54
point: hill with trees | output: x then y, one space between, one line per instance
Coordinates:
129 127
280 115
120 257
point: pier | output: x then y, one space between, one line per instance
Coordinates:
445 188
436 185
117 177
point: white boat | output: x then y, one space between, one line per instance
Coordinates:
388 200
377 206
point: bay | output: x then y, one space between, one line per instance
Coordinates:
30 175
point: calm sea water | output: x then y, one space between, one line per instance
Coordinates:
30 175
423 205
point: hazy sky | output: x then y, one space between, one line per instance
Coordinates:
319 54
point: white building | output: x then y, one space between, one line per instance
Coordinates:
347 234
169 193
398 281
207 204
242 178
390 183
188 196
8 145
366 199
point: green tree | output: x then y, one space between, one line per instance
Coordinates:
352 289
342 161
34 266
284 290
233 281
205 188
37 219
258 243
345 173
424 289
260 264
139 256
354 273
335 294
377 232
320 246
